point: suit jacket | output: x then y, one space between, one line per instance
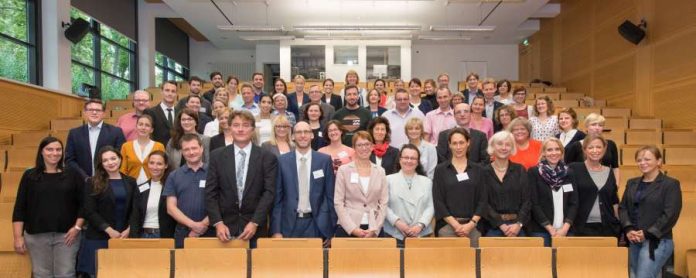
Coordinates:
579 135
321 192
259 189
203 119
588 193
293 106
351 203
466 94
161 127
389 160
496 105
217 141
273 149
542 202
166 222
478 147
335 101
77 148
327 109
658 208
99 209
411 206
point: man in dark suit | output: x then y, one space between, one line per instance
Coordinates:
304 191
241 184
195 86
472 89
478 144
216 80
489 88
85 141
164 113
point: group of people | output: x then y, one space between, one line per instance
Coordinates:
355 164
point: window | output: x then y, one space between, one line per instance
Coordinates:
346 55
308 61
383 62
168 69
18 34
104 58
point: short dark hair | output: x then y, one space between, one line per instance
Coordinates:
172 82
375 122
306 110
94 100
409 146
415 81
188 137
195 78
215 73
255 74
350 87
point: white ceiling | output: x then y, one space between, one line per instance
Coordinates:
514 19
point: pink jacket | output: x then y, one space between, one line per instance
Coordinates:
351 202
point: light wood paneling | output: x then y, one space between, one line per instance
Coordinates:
672 18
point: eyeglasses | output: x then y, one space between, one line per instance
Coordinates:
363 145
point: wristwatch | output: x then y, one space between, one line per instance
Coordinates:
520 224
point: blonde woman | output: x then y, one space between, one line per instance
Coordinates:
280 141
428 153
352 78
544 123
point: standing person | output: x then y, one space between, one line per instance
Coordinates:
314 116
428 153
110 207
649 210
185 192
472 88
340 153
234 101
443 80
136 151
414 90
457 98
264 120
398 117
478 120
352 116
224 138
216 80
361 196
213 128
506 184
241 185
503 93
491 104
163 114
568 127
195 86
185 123
257 82
441 118
544 122
478 144
152 219
410 209
503 117
430 90
281 137
598 200
554 199
315 96
519 95
46 219
304 192
127 122
279 87
594 125
194 104
373 100
527 149
381 86
329 96
382 153
85 141
459 193
352 79
280 108
248 97
297 98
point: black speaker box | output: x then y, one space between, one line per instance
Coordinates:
631 32
77 30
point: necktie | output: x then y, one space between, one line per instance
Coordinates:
303 180
170 117
240 175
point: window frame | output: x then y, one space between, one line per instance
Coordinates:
33 42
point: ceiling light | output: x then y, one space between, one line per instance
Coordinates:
356 27
241 28
266 38
462 28
443 38
359 37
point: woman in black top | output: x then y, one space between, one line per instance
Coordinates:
153 221
509 201
314 114
383 154
649 209
594 124
459 194
598 202
554 200
110 209
224 138
46 217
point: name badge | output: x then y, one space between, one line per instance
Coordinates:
318 174
354 178
320 134
202 109
462 177
342 155
201 184
567 187
144 187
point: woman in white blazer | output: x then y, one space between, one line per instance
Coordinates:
410 211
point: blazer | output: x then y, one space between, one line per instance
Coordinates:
327 110
478 147
321 191
351 203
176 157
216 142
411 206
203 119
335 101
267 146
131 164
160 125
496 105
166 222
542 202
222 203
99 209
293 105
465 92
424 106
658 209
77 148
389 160
579 135
588 193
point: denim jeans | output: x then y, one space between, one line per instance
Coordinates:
150 235
545 235
495 231
641 266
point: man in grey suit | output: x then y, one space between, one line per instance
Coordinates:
240 184
477 145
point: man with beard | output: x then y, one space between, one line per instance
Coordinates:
216 79
352 115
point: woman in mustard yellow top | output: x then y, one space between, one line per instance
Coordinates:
136 151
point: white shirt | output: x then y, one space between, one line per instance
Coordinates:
364 186
308 156
247 151
567 136
264 127
489 109
93 137
557 208
152 211
142 155
397 123
212 128
164 109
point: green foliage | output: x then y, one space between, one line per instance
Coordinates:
14 63
13 19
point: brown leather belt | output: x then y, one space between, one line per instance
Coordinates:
508 216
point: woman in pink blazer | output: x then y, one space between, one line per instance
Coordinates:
361 195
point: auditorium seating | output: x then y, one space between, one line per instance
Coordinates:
679 137
583 242
571 96
680 155
289 243
364 262
589 262
511 242
685 175
552 96
440 261
645 123
567 103
643 137
618 135
28 139
615 123
65 124
532 262
582 112
437 242
10 185
20 159
683 232
691 262
115 114
366 243
218 262
287 262
133 263
628 154
213 242
141 243
125 104
616 112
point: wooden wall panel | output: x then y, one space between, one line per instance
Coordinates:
672 105
608 44
580 84
577 23
608 10
672 17
576 59
674 58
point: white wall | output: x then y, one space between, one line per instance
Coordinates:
267 54
431 60
206 58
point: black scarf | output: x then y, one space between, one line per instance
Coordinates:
553 176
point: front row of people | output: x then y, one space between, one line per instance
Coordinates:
232 196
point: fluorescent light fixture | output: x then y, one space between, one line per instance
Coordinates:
443 38
357 27
242 28
462 28
266 38
359 37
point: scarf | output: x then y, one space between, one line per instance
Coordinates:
380 149
554 177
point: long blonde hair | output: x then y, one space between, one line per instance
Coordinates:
277 120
